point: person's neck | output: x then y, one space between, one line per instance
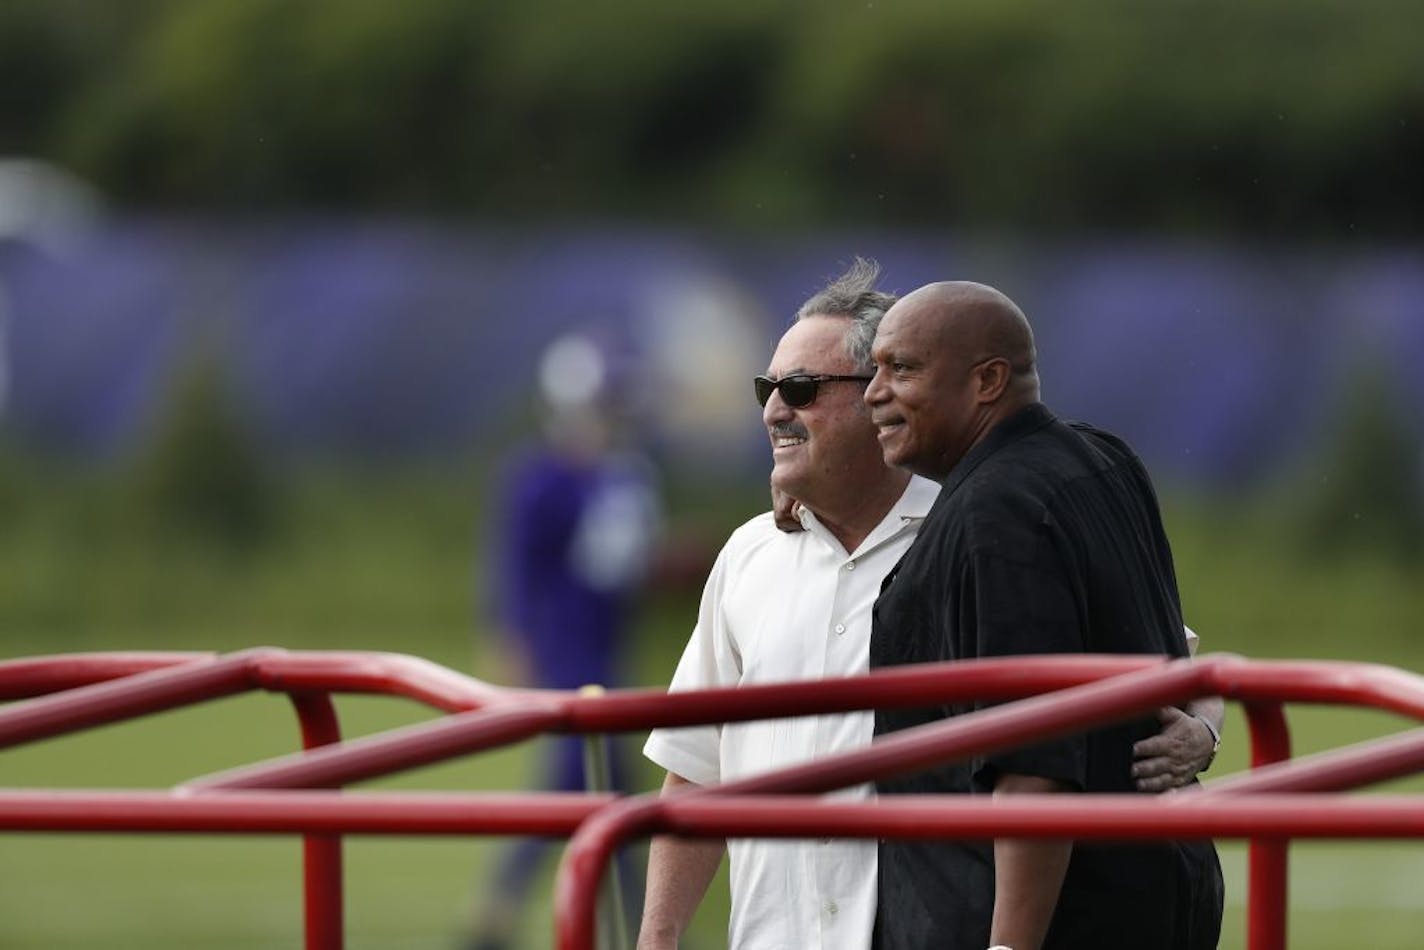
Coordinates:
851 517
1005 409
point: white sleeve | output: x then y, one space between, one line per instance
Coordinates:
709 660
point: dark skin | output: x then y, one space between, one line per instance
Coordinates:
953 360
987 345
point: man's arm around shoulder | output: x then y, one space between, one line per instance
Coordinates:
679 870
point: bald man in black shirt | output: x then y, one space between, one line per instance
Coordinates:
1046 538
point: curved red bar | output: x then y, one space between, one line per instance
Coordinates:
67 693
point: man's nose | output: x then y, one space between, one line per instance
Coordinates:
877 392
776 409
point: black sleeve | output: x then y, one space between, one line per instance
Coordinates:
1016 606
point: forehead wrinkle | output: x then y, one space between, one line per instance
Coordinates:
887 345
831 367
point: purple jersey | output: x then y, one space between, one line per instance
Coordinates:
574 539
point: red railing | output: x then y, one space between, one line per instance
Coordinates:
68 693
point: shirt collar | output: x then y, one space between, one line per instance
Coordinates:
1027 420
918 499
907 512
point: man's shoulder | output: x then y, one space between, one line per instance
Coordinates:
757 526
1057 452
757 533
1106 442
1010 490
1028 483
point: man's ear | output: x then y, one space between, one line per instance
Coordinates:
991 378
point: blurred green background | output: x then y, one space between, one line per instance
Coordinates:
1292 129
1277 116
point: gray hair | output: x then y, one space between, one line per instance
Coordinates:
853 295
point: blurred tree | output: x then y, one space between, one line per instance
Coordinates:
1370 494
9 494
202 479
1260 116
54 54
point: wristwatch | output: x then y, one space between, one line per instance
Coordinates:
1215 742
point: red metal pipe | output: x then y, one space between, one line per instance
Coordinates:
380 672
1268 859
925 684
388 674
586 858
1315 681
40 675
128 698
1338 770
1105 817
148 691
1097 817
1082 817
1040 718
1353 767
393 751
519 716
942 682
908 686
298 812
1061 713
323 901
992 679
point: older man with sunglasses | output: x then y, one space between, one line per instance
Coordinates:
784 605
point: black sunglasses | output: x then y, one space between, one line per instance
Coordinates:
799 389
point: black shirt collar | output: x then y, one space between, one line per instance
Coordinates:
1027 420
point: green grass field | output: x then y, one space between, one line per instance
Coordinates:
385 562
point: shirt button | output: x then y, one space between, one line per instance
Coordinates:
840 628
850 566
832 909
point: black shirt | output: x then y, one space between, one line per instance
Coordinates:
1046 538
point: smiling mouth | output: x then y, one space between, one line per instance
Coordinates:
786 441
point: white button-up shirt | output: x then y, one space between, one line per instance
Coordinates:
781 607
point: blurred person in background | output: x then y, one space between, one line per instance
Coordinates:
577 518
794 604
1046 538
